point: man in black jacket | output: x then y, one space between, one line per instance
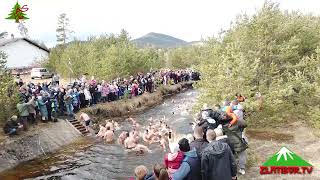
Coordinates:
217 162
199 143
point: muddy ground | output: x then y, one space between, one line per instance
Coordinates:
297 136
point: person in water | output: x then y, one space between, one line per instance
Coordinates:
163 142
135 135
147 136
123 136
130 144
102 132
110 125
109 135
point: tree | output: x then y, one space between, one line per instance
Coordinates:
63 31
8 98
17 13
272 52
105 56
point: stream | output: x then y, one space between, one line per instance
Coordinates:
89 159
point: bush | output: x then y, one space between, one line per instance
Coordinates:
8 92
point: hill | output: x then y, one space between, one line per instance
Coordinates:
158 40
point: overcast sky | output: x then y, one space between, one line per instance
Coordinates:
186 19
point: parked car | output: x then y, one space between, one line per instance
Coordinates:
40 73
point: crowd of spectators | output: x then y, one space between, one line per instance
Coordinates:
49 100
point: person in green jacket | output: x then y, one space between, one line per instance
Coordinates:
23 109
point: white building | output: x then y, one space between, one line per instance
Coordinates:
22 52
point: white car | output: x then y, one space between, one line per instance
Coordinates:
40 73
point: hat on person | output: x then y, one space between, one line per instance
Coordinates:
184 145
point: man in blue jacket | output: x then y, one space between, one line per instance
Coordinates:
190 168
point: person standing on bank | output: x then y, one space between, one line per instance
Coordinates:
217 162
86 119
23 109
190 168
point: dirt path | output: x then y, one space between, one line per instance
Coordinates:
297 137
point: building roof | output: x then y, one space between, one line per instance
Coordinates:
4 42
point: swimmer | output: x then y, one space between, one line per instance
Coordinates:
101 132
146 136
123 137
136 125
109 135
130 144
164 130
110 125
163 142
155 139
135 134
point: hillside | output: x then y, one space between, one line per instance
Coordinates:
158 40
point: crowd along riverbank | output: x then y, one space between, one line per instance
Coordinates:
49 138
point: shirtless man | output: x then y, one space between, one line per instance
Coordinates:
135 135
136 126
101 132
109 135
163 142
130 144
146 136
110 125
155 138
86 119
123 137
164 129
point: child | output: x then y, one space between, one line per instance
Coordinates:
174 159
